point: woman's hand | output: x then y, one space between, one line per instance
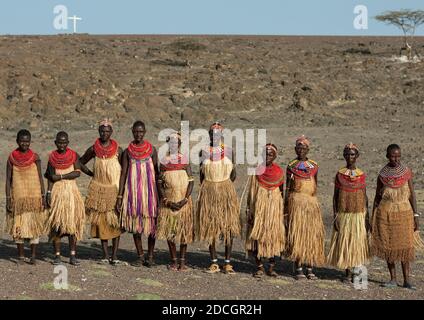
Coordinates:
336 224
9 205
55 177
118 205
43 202
182 203
368 226
173 206
416 224
48 199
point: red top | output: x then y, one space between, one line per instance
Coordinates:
62 160
271 178
105 152
22 160
350 183
140 152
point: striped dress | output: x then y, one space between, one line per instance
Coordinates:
139 205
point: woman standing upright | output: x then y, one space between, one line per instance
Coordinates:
349 244
395 217
305 238
218 209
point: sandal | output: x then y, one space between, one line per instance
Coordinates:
139 262
259 273
228 269
20 261
390 284
310 275
173 265
73 261
409 286
213 268
182 267
272 273
33 261
150 262
57 260
104 261
118 262
300 275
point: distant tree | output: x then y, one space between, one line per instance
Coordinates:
408 21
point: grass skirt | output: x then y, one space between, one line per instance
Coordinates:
218 212
305 235
266 237
67 212
349 246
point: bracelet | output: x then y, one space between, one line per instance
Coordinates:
48 192
61 177
119 197
417 214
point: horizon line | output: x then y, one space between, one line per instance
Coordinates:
199 35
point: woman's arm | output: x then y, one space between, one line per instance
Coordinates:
367 216
413 201
189 190
155 162
335 205
316 184
122 179
201 175
233 174
49 173
378 194
88 155
40 177
8 187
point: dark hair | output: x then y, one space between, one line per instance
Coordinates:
138 123
62 134
391 148
23 133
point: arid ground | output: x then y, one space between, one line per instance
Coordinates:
333 89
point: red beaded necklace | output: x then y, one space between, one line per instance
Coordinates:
395 177
272 177
107 152
63 160
22 159
140 152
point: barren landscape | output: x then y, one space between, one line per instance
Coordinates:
333 89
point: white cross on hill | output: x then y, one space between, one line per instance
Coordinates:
75 18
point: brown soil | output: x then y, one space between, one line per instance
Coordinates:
333 89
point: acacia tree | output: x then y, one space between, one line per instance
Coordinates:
408 21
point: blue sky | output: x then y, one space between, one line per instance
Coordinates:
275 17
